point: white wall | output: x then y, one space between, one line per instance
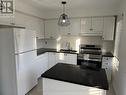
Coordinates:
120 84
30 22
26 15
82 13
22 8
122 54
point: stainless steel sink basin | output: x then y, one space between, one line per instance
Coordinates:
68 51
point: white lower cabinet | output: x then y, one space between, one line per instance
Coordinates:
56 87
66 58
41 64
107 65
52 59
47 60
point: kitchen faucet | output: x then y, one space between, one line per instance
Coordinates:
68 45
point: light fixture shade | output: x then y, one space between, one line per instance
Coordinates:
63 20
1 5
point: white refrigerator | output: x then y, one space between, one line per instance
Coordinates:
17 61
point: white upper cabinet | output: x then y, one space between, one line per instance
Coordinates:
73 29
40 33
51 29
75 26
97 25
64 30
92 26
85 25
109 28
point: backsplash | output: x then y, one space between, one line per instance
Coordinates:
75 42
49 43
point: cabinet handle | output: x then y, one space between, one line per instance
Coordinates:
91 29
106 63
12 23
51 37
68 33
65 54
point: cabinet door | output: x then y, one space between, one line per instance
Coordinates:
109 73
107 65
41 64
71 58
109 28
64 30
40 33
72 29
51 29
92 26
52 59
97 25
107 62
86 25
75 25
66 58
60 58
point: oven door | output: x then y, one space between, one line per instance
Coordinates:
89 64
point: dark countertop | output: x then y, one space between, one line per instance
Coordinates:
107 54
75 74
43 50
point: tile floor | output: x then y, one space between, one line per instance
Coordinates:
37 90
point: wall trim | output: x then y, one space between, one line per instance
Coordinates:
29 14
82 17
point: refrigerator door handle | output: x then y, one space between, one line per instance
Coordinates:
16 41
17 62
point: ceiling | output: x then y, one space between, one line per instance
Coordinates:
49 5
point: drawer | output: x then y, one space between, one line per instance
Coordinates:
106 59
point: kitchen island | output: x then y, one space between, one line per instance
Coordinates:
66 79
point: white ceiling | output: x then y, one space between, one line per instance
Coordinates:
49 5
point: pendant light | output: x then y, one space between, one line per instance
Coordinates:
1 5
63 20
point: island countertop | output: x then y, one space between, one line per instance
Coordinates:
75 74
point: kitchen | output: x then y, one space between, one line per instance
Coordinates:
89 26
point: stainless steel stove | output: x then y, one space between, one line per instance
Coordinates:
90 55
